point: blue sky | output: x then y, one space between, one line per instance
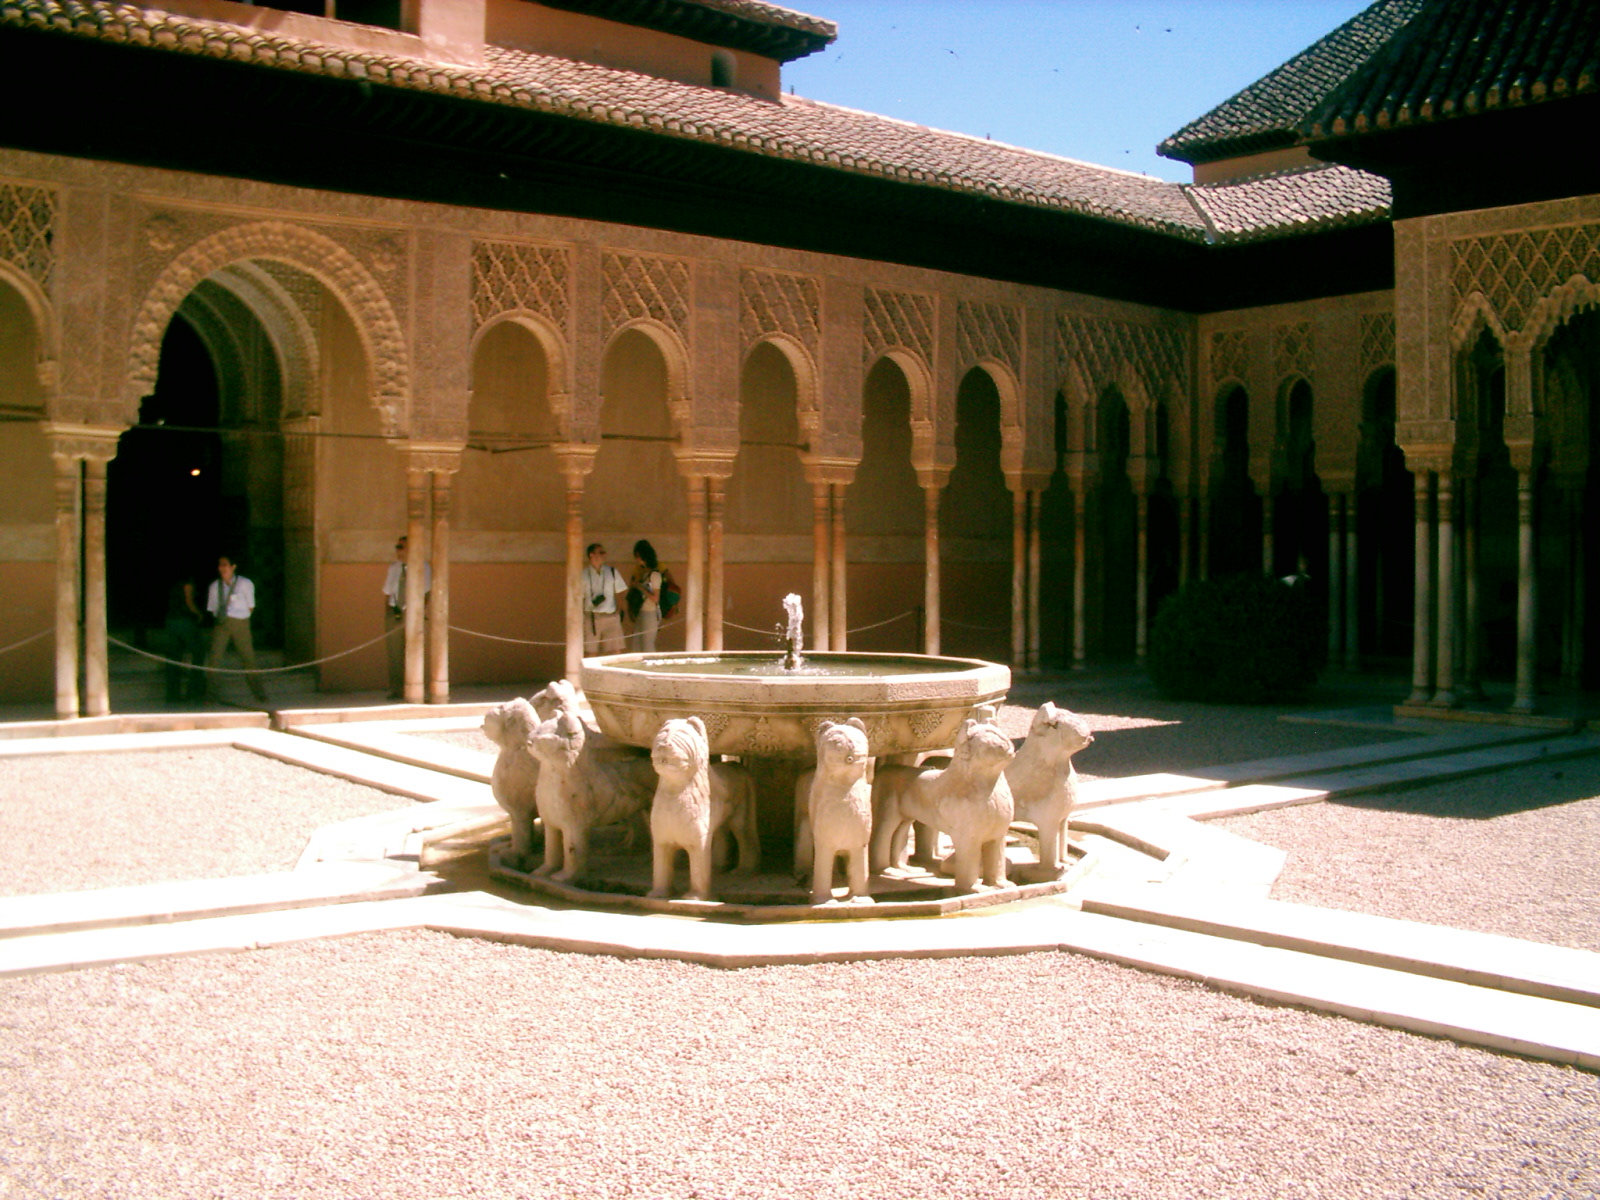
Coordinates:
1097 80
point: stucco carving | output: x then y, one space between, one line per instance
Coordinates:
1377 341
777 302
1293 351
513 277
1230 356
27 225
306 249
992 331
1102 345
1514 271
637 287
897 320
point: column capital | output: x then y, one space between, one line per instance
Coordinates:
575 460
701 462
97 443
933 478
430 456
821 469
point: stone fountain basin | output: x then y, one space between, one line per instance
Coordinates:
908 702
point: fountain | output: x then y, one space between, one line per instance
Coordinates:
765 712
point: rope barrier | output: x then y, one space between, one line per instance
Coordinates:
246 671
27 641
910 612
979 628
495 637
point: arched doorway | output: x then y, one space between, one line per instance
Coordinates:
1117 555
508 557
884 518
975 516
1569 535
767 515
1385 525
27 512
1235 507
1056 534
1300 509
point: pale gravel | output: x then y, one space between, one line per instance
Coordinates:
72 822
467 739
1511 853
418 1065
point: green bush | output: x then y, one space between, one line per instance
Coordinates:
1247 639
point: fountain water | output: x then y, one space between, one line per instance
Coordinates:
795 614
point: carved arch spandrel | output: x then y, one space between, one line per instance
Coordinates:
558 363
45 335
382 340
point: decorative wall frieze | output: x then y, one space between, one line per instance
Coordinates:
637 287
1103 346
902 320
27 227
1515 271
518 277
992 331
1230 355
1293 351
1377 341
776 302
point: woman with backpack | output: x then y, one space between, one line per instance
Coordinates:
644 597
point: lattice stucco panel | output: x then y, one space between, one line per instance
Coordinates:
637 288
897 319
1230 355
510 277
1515 270
773 302
1156 352
1292 350
989 331
1377 341
27 225
303 289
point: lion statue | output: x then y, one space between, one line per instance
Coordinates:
581 787
694 801
833 811
515 778
1044 784
969 800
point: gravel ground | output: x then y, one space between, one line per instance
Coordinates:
70 822
417 1065
1511 853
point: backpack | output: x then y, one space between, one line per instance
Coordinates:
668 599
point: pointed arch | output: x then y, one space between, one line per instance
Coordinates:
808 388
1473 315
382 341
676 357
552 343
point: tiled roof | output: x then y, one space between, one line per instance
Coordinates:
789 128
1267 115
753 25
1291 202
1467 56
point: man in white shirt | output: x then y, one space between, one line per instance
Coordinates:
230 600
394 614
602 622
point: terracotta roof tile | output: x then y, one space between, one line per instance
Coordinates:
753 25
1291 202
1267 114
1464 56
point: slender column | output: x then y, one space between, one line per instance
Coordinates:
1336 527
1572 607
714 604
1019 578
694 609
1141 600
416 650
1579 585
1266 532
96 663
1527 598
1080 588
1205 537
1471 611
1035 554
1445 653
1185 534
69 488
840 628
930 560
1422 627
439 596
821 542
575 561
1352 593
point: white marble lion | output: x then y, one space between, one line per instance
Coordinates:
1044 784
580 787
969 800
833 811
515 778
695 800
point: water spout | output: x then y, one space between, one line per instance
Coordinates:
794 632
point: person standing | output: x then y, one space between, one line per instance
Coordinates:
602 622
183 641
394 614
230 600
647 582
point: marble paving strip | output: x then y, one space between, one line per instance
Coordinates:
386 741
400 779
121 723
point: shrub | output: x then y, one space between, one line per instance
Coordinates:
1246 639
